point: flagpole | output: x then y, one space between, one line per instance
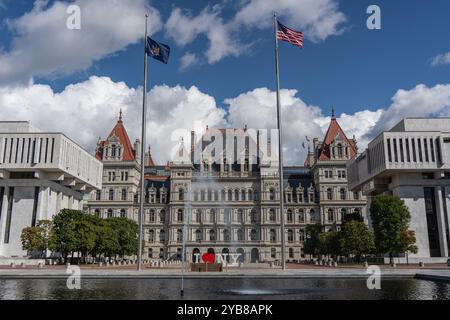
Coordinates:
280 150
144 124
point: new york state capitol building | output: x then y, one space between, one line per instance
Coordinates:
228 206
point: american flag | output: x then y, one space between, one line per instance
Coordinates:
286 34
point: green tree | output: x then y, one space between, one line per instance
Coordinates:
356 239
107 239
312 242
329 243
36 239
390 219
65 234
127 231
87 227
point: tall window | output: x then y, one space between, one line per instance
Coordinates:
151 236
301 216
111 194
250 195
290 235
98 195
162 216
356 195
253 235
124 194
290 216
330 215
123 213
181 194
195 195
198 236
110 213
273 235
272 194
329 194
180 215
254 217
198 216
343 194
162 236
226 235
340 153
152 216
272 215
212 235
240 216
291 253
179 235
243 198
301 235
240 235
212 215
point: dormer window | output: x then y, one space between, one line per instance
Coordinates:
340 151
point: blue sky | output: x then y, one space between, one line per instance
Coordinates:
351 68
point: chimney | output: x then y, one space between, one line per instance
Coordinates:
193 140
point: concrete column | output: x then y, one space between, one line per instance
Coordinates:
441 222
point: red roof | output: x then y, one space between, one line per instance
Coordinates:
119 131
334 130
149 158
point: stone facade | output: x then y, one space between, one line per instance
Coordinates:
231 206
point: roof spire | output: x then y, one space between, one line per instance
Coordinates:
120 115
333 113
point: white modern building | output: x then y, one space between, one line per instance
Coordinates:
40 174
412 161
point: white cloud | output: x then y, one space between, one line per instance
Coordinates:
441 59
187 60
319 19
88 110
420 101
43 46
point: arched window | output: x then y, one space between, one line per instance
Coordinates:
356 195
152 216
113 151
162 236
230 195
290 235
162 216
329 194
212 235
212 215
97 213
272 215
272 194
198 216
240 235
343 194
273 235
150 253
209 195
250 195
222 195
301 235
243 197
179 235
253 235
202 195
98 195
151 236
180 214
110 213
198 236
330 215
181 194
111 194
311 214
226 235
240 216
123 213
216 195
253 216
236 195
290 216
124 194
301 216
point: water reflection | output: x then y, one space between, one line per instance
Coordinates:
152 289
